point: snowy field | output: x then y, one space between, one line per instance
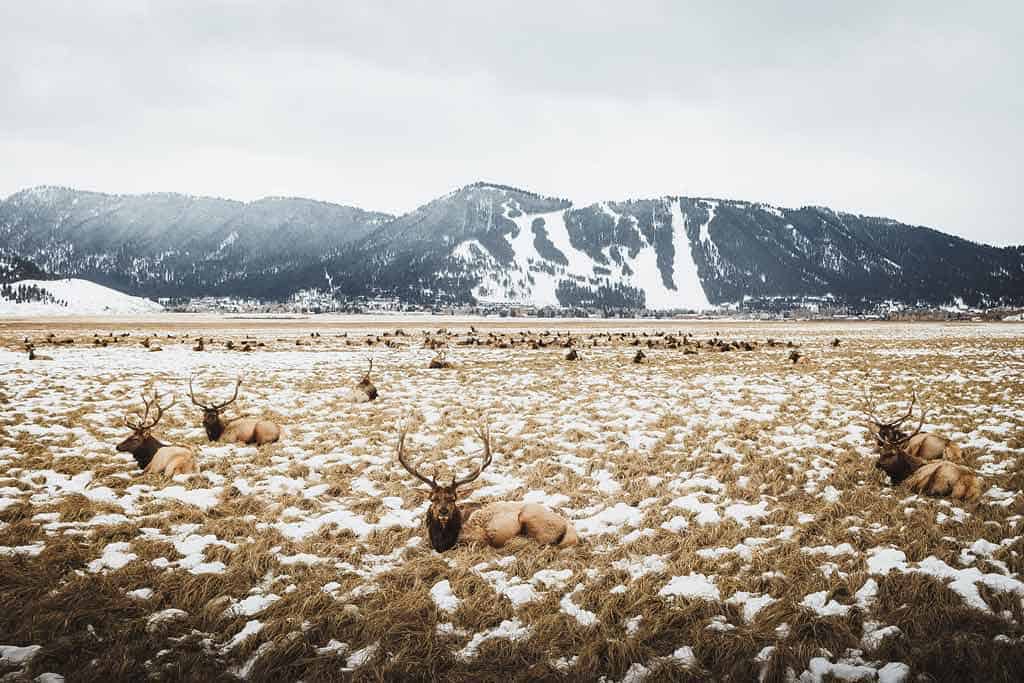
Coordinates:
733 524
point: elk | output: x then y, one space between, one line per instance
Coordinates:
365 391
440 361
32 355
247 430
795 356
495 523
153 455
640 357
936 478
572 355
915 459
922 445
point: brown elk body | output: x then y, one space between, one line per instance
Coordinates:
494 524
365 391
32 355
151 454
440 362
247 430
936 478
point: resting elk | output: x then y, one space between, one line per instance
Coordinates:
935 478
440 361
365 391
495 523
247 430
153 455
924 445
32 355
908 465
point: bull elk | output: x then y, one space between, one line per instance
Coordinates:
640 357
32 355
440 361
365 391
495 523
151 454
916 459
935 478
247 430
890 437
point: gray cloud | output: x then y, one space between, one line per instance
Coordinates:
910 111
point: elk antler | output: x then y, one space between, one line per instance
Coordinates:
214 406
904 439
141 425
484 432
867 410
910 410
402 429
369 369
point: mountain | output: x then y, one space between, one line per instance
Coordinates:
69 297
176 245
493 243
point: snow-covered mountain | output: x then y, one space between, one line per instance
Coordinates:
494 243
497 243
546 263
173 244
71 297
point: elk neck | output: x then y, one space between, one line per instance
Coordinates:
444 536
145 451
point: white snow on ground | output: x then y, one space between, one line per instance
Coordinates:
510 629
12 655
964 582
691 586
443 596
83 298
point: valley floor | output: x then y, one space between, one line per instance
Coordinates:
732 523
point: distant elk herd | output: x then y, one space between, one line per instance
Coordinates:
924 462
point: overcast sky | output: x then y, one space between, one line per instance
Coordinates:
913 113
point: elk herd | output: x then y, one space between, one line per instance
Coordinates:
923 462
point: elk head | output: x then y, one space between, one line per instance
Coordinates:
892 440
888 434
444 518
142 428
212 422
366 386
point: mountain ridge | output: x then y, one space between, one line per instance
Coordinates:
497 243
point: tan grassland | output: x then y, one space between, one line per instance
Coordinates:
328 523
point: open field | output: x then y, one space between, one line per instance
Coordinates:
733 524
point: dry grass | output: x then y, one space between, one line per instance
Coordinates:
740 433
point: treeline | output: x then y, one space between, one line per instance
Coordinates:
23 294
